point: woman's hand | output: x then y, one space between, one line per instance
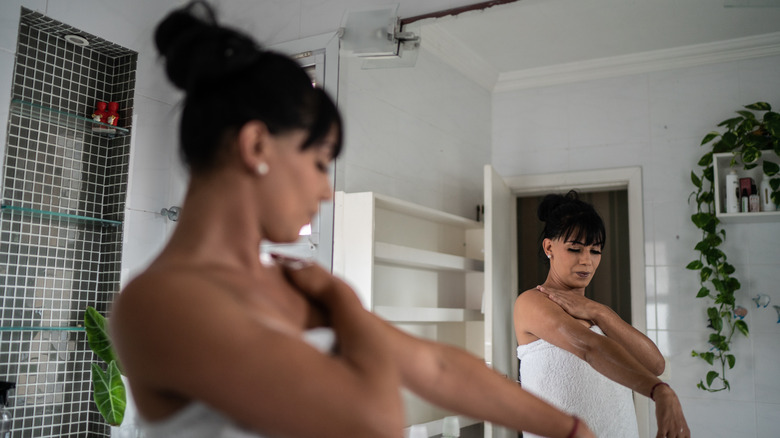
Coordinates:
575 305
669 414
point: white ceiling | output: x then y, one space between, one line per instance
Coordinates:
534 34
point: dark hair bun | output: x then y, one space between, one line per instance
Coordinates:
552 202
197 50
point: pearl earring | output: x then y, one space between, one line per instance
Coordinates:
262 169
549 256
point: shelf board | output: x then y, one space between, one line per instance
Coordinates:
749 218
58 215
419 258
408 208
61 118
38 329
427 314
434 428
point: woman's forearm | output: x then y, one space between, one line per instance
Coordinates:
462 383
631 339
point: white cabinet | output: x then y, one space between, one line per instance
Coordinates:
419 268
435 275
721 167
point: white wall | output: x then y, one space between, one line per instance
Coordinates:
657 120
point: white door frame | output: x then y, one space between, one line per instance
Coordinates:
629 178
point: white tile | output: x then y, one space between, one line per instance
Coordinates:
652 304
686 371
718 418
763 242
678 307
10 11
155 143
762 279
144 236
756 76
675 235
767 354
768 419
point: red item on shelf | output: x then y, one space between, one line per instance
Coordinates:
99 115
112 116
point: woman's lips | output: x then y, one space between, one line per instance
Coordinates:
583 274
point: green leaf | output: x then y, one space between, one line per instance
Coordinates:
731 360
746 114
742 326
759 106
750 155
705 273
708 173
706 159
730 124
712 375
695 179
733 284
703 292
725 269
770 168
715 319
694 265
701 220
708 138
110 395
97 335
774 183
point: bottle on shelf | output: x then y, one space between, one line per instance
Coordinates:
754 200
112 115
6 420
766 195
99 115
745 198
732 192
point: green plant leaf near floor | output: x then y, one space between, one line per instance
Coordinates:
747 137
108 389
110 396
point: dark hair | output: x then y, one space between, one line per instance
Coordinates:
569 218
229 80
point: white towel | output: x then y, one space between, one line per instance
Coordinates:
569 383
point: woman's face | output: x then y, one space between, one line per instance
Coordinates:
572 263
296 184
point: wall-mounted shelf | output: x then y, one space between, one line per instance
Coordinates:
418 268
64 119
721 165
58 215
418 258
427 314
39 329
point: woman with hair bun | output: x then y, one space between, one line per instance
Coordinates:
577 354
217 342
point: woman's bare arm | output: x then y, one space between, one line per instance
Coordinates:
459 381
181 340
631 339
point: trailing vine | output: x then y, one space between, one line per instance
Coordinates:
747 137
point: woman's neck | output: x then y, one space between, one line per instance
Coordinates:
218 223
554 282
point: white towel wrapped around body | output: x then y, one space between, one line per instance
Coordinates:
572 385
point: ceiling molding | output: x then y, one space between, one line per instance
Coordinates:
451 50
657 60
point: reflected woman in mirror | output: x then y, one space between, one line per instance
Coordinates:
217 342
578 354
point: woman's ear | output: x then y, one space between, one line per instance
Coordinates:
253 146
547 247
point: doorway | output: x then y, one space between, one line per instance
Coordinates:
612 284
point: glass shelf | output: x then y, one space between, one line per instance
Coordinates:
70 217
61 118
38 329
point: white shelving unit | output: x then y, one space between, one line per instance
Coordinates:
419 268
721 166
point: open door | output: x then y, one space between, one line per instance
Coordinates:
500 282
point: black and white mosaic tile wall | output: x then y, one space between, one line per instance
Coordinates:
63 198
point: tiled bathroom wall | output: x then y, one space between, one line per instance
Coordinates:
61 226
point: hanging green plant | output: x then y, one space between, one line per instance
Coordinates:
747 137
